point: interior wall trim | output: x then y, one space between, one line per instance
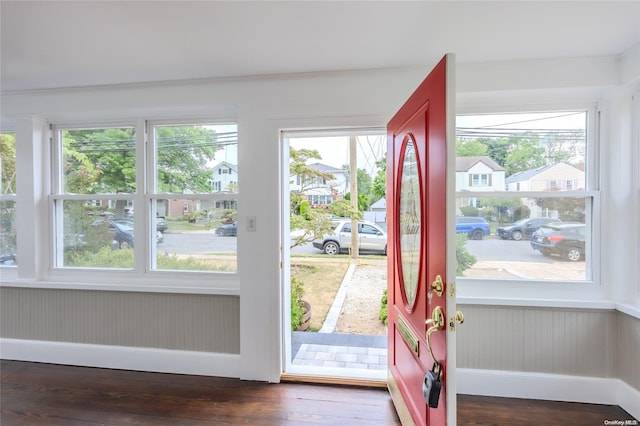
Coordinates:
122 357
552 387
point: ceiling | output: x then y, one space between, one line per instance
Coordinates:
52 44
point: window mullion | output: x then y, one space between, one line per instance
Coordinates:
141 203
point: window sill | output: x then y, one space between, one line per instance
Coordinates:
631 310
228 286
541 294
538 303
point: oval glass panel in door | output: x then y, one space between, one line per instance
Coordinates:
409 215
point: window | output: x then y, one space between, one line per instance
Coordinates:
186 157
95 168
109 213
480 180
319 200
8 241
543 160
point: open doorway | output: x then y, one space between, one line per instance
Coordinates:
334 295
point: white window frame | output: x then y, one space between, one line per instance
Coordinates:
9 272
635 142
590 292
141 277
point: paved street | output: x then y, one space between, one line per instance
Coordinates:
496 258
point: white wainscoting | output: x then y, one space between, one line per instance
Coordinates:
122 357
553 387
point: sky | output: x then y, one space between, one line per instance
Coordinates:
334 150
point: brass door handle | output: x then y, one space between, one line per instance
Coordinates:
437 323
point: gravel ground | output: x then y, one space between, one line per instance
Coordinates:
360 310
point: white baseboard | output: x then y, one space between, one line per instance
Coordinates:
122 357
553 387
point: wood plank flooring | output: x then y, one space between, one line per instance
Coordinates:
47 394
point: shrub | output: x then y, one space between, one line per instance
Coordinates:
383 314
108 258
469 211
464 259
521 212
297 308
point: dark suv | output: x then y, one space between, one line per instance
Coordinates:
523 228
566 240
475 227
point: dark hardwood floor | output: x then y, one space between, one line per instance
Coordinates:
47 394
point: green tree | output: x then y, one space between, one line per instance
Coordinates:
8 163
497 149
471 148
501 206
379 187
306 224
569 209
104 160
364 185
184 153
524 155
99 160
298 167
342 208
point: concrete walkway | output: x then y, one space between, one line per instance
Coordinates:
339 350
328 349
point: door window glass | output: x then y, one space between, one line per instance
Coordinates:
409 216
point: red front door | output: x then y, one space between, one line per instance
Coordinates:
418 136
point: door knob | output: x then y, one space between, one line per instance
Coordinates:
437 323
458 318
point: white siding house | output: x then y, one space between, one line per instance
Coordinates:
225 177
555 177
477 174
319 191
377 211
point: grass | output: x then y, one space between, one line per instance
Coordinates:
321 283
183 225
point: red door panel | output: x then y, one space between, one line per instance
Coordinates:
417 248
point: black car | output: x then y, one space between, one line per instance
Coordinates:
523 228
229 229
566 240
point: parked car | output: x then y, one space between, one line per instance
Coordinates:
371 238
229 229
129 222
121 233
523 228
161 224
475 227
566 240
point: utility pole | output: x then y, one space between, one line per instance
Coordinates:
353 189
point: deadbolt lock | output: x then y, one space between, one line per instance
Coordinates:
437 286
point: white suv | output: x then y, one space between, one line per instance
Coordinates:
371 238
